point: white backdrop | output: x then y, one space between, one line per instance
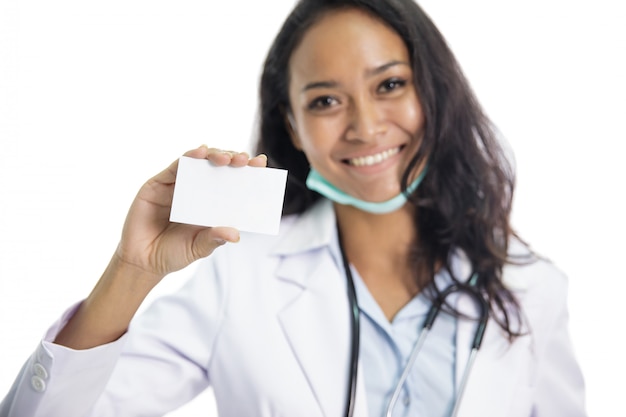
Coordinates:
95 97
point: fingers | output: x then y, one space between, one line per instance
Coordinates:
168 175
258 161
217 157
200 152
221 157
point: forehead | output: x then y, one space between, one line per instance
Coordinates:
343 42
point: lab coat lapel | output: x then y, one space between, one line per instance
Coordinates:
464 337
497 377
316 315
316 324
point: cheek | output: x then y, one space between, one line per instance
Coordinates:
315 153
318 135
412 117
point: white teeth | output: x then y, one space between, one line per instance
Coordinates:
373 159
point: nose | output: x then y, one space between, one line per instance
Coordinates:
366 120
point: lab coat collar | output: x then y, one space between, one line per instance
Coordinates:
316 228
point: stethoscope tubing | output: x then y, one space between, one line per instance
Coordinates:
407 370
433 312
468 367
356 331
427 326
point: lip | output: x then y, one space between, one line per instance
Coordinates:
372 159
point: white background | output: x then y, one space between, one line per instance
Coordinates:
95 97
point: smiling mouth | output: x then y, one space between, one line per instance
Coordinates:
369 160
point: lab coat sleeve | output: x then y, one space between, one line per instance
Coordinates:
158 365
559 385
48 379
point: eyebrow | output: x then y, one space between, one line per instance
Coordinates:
368 73
384 67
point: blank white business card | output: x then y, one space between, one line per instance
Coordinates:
247 198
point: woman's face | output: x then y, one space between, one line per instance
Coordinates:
354 109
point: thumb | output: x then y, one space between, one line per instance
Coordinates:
209 239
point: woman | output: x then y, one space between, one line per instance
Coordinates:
394 171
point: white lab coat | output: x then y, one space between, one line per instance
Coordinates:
265 322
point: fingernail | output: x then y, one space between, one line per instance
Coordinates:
219 241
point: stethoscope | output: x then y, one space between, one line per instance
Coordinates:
469 289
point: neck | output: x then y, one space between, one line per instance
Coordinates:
379 247
387 238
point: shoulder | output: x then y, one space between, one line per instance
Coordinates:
541 289
528 272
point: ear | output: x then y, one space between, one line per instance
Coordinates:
290 123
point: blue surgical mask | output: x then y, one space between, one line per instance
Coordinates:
316 182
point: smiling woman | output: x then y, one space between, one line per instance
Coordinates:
365 98
353 107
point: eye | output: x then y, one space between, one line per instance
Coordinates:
322 102
391 84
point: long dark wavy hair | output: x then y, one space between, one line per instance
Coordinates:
464 201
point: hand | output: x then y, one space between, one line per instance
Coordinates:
157 246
